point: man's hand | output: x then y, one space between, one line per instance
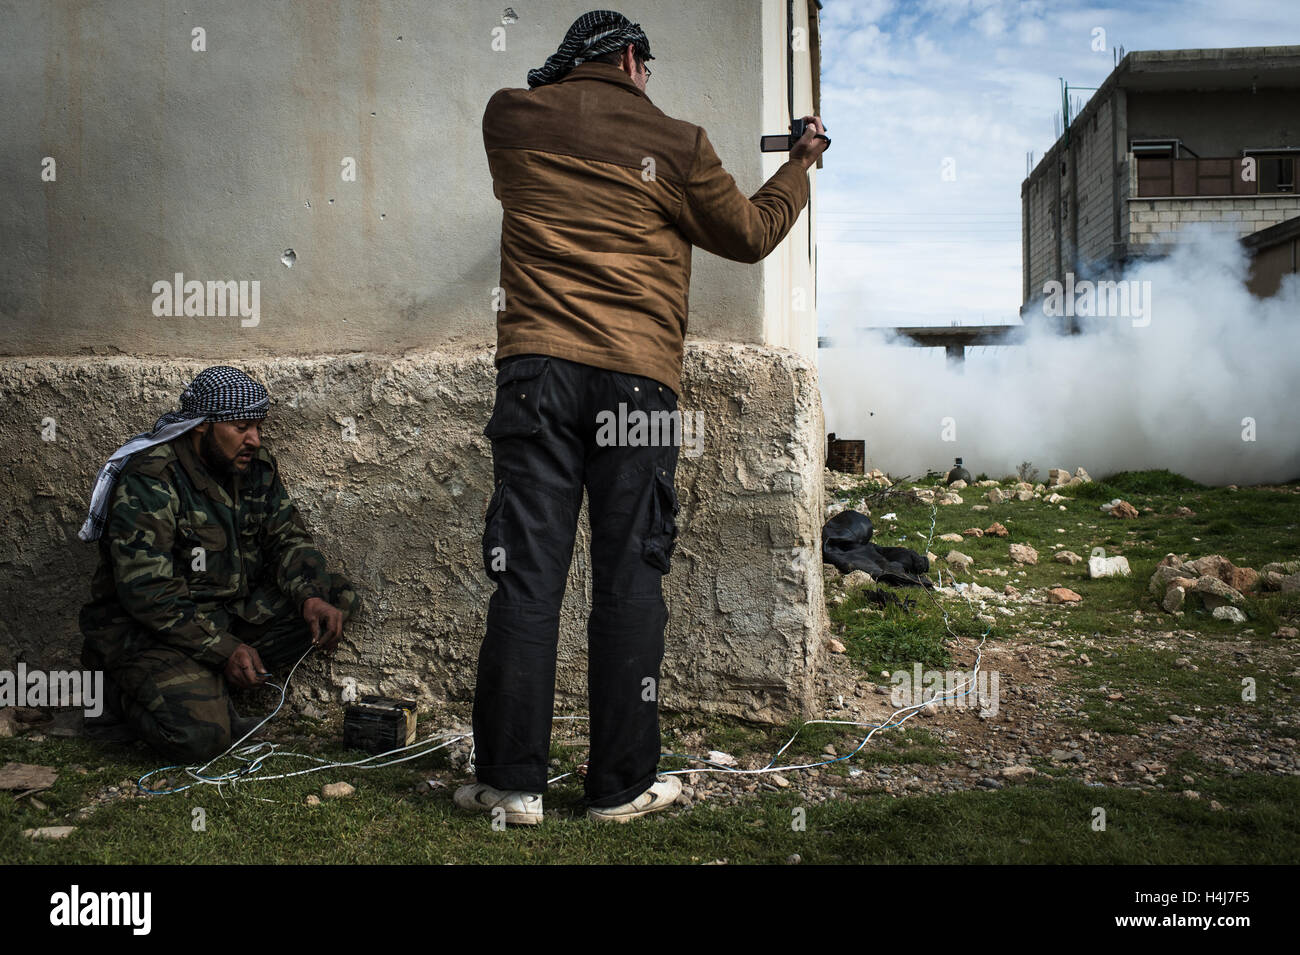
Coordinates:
244 668
326 622
809 147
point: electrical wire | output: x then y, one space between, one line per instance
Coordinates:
911 710
255 756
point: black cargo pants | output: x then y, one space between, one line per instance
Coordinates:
555 429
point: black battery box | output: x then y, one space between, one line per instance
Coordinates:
379 724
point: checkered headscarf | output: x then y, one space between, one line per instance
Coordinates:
594 33
220 393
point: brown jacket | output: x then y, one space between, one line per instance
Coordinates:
603 197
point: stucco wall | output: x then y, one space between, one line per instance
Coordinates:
211 164
400 510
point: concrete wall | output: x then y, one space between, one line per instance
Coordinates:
1270 266
1154 222
1096 184
1078 214
212 164
400 510
789 273
1218 123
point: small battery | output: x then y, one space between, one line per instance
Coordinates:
378 724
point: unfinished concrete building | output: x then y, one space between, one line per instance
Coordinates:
332 154
1171 137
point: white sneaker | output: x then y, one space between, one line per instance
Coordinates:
521 808
661 794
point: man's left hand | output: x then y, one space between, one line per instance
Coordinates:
326 622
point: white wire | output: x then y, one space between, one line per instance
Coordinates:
250 754
247 754
715 767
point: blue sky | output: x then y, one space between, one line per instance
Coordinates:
909 84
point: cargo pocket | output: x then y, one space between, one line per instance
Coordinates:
661 537
518 409
197 545
494 542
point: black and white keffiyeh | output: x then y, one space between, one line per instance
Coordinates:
220 393
594 33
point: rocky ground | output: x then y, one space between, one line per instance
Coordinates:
1092 687
1042 721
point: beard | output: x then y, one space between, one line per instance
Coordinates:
216 461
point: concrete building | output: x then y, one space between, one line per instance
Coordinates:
332 154
1170 138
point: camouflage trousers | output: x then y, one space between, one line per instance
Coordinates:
182 708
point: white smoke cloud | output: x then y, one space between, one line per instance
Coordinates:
1214 367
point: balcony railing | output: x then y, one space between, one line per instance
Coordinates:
1260 175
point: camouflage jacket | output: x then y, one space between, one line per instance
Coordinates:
183 555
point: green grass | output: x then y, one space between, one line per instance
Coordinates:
904 746
1267 612
1041 821
1136 483
882 639
1045 819
1154 688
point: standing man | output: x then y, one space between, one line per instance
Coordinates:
603 197
207 577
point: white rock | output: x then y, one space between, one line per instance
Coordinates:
1229 613
1108 567
858 578
349 694
50 832
958 561
1023 554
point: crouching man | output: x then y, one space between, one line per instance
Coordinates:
207 577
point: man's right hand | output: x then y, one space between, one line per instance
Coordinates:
244 668
809 147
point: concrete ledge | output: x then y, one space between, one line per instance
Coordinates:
400 510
